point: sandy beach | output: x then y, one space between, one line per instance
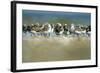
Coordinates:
41 49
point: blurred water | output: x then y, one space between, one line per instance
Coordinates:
41 49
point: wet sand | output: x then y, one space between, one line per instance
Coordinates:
41 49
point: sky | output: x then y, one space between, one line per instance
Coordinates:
33 16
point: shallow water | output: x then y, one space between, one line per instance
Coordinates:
42 49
